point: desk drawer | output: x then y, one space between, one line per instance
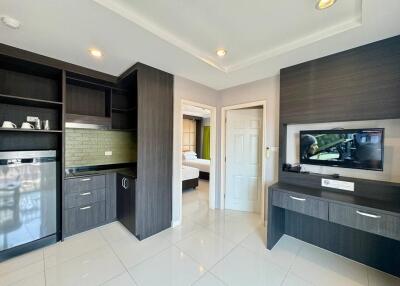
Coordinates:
78 199
83 218
365 219
301 204
83 184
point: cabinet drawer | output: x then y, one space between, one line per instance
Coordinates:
82 184
365 219
301 204
78 199
83 218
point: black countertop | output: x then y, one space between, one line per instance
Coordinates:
333 196
124 169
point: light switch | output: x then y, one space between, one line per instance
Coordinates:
336 184
108 153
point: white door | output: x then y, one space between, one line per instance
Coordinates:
243 159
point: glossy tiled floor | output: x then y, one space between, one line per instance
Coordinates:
210 248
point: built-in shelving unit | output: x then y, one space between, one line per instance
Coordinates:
28 130
24 101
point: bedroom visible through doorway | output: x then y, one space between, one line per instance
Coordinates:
197 169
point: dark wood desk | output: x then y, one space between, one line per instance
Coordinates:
360 228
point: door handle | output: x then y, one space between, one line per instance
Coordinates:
368 215
297 199
85 208
124 183
86 179
86 194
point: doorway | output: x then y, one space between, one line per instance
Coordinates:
242 157
197 160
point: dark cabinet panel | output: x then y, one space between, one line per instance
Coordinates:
126 202
83 218
154 164
111 197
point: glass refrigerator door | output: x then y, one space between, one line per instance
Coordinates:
27 201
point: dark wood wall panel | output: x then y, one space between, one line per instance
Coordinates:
27 85
358 84
154 165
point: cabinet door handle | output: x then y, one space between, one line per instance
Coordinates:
368 215
85 208
297 199
86 194
86 179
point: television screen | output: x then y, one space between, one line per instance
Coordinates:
348 148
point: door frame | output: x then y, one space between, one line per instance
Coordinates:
263 104
213 153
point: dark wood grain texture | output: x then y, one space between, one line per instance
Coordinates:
154 164
111 197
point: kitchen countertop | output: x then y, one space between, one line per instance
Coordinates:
100 170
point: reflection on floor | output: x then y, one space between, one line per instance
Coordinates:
210 248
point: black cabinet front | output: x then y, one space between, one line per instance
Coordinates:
126 202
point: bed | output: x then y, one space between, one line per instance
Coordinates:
189 158
190 177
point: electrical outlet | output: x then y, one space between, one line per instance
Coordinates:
336 184
32 118
108 153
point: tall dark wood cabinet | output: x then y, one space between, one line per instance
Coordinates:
153 196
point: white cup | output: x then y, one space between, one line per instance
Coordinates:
27 125
8 124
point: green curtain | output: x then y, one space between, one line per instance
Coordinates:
206 142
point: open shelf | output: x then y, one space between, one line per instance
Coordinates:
17 100
29 130
123 110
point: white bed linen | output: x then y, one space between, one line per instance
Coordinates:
202 164
189 173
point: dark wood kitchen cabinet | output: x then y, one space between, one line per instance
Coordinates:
154 120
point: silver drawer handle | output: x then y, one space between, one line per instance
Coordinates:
85 180
368 215
297 199
86 194
85 208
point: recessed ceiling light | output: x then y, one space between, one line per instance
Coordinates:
95 52
221 52
10 22
324 4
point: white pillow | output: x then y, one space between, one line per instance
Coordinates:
189 155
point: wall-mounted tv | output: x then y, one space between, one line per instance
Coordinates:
347 148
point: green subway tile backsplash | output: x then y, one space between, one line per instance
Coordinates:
86 147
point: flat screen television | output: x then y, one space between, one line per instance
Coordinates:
347 148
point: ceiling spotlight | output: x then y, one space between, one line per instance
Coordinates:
95 53
324 4
221 52
10 22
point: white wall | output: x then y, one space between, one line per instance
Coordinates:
188 90
391 167
268 90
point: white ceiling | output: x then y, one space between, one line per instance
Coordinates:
196 111
181 36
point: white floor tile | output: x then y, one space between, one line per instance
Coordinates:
19 262
92 268
34 280
173 268
208 280
285 251
178 233
379 278
132 252
244 267
294 280
121 280
114 232
322 267
205 247
72 247
256 241
19 275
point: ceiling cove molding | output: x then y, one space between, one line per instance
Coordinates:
169 37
